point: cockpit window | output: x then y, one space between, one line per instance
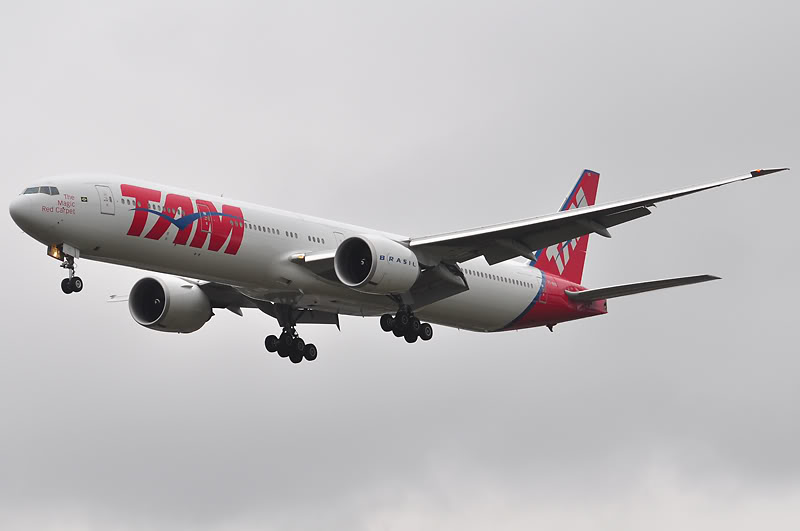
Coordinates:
49 190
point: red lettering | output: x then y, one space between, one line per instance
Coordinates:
221 228
142 198
171 205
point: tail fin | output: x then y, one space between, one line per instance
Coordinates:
566 259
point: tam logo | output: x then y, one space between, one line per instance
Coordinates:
560 251
219 227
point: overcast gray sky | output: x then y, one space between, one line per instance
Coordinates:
678 410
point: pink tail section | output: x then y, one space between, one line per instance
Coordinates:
566 259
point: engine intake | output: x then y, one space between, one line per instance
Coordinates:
375 264
169 305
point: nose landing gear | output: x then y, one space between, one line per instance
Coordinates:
71 284
405 324
291 345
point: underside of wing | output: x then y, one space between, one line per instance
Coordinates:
230 298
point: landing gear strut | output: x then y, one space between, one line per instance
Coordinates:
405 324
71 284
291 345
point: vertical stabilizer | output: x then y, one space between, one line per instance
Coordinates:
566 259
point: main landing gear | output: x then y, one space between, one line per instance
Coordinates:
71 284
405 324
291 345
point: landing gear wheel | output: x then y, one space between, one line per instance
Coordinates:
76 284
298 345
271 342
411 337
310 352
66 286
283 351
398 332
286 340
387 322
414 325
401 321
296 357
425 332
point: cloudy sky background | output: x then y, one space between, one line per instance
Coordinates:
679 409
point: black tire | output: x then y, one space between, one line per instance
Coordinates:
298 345
271 343
411 337
398 332
401 321
76 284
414 325
296 357
310 352
387 322
283 351
65 286
425 332
286 340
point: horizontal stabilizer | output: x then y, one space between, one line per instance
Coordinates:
637 287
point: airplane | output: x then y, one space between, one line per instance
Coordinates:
301 269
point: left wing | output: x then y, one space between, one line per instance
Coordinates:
498 243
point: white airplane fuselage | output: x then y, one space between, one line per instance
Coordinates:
98 216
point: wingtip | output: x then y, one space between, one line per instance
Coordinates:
759 173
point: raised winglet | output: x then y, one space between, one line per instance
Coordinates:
759 173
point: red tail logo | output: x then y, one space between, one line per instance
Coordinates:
566 259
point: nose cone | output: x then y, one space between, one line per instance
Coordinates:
21 212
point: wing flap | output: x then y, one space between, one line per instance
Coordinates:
623 290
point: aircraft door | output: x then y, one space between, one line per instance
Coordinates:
106 199
205 221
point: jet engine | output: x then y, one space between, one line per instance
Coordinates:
169 304
375 264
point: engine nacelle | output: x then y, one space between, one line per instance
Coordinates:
169 304
375 264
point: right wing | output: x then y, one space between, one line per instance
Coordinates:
498 243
